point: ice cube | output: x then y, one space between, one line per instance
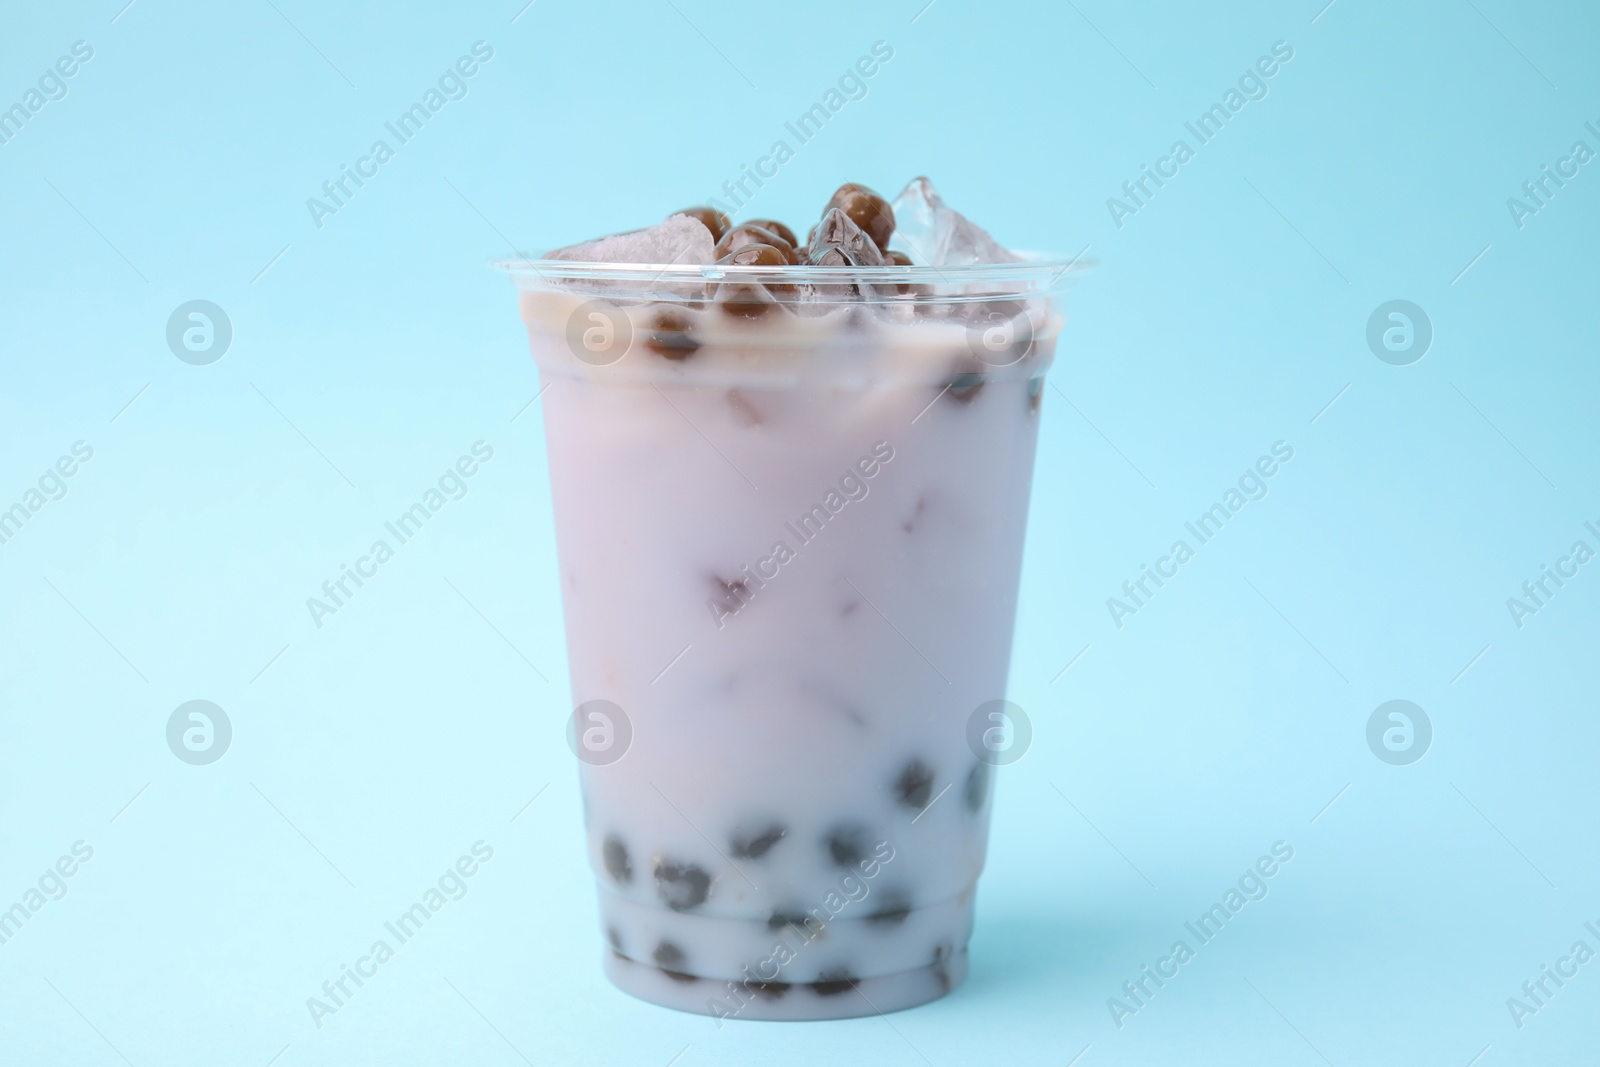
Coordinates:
838 242
935 234
681 239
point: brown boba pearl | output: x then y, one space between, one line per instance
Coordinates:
750 234
739 589
1035 393
746 300
866 209
774 226
770 990
747 413
753 847
977 786
963 387
897 258
847 844
756 255
669 335
742 300
915 785
780 919
670 959
615 854
714 220
615 939
892 910
832 983
682 885
942 954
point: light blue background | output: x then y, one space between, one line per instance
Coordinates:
1225 716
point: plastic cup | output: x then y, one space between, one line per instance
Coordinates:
789 508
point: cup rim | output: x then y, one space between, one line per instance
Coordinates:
1023 275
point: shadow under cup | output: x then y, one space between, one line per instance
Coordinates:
789 508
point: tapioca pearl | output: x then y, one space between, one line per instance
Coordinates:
670 959
743 409
894 905
757 254
832 983
977 790
774 226
896 258
682 886
770 990
964 386
780 919
739 589
942 954
754 299
669 335
1035 393
615 854
848 844
750 234
745 300
916 513
754 846
915 785
614 938
714 220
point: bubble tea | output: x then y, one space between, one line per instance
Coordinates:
790 483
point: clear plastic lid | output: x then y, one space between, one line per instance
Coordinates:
1033 276
778 326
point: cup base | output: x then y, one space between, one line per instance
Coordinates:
782 1001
